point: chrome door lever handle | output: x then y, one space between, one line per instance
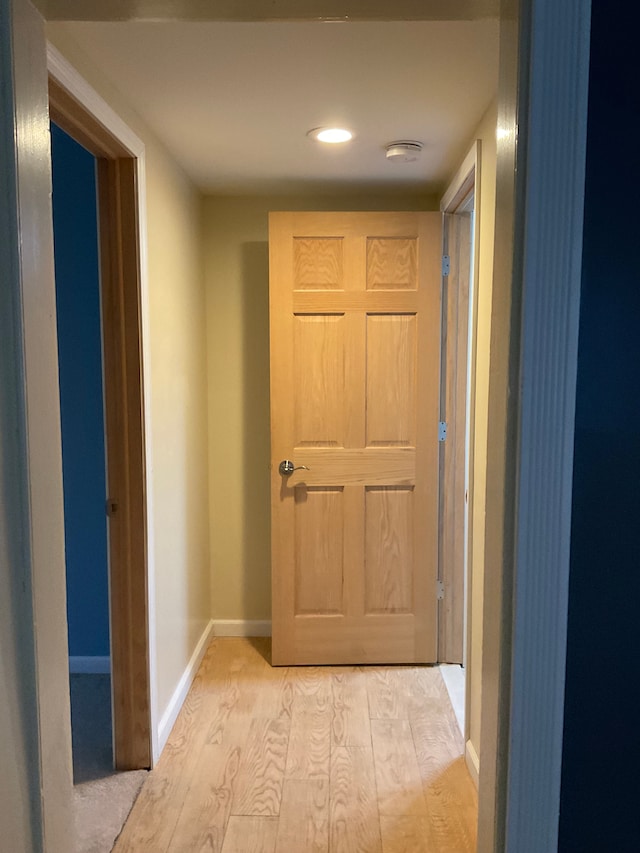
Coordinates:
286 467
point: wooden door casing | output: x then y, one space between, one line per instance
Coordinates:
355 366
120 286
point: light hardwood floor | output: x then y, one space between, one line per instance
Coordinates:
307 760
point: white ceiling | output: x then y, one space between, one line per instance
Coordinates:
232 102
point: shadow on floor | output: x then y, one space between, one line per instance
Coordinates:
102 797
91 727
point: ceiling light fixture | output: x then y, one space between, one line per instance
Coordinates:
333 135
403 151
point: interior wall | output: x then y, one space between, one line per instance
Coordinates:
178 419
237 281
75 232
176 376
35 746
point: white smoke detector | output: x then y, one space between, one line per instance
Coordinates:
403 151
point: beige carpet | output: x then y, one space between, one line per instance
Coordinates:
102 797
101 807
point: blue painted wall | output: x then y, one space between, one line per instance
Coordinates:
80 358
600 803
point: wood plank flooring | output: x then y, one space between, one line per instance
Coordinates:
307 760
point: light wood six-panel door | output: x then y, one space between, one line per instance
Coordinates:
355 361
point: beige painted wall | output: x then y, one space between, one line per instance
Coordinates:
178 414
486 132
237 276
176 375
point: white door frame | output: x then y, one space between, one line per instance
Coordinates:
542 131
542 124
34 672
468 179
551 207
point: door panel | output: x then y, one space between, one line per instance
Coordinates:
389 553
319 559
391 382
391 263
355 312
319 345
318 263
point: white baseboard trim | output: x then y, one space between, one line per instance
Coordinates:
89 665
180 693
242 627
454 677
472 761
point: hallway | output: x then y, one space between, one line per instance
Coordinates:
307 759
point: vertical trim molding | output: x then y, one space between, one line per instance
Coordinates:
552 213
472 761
468 177
34 632
21 806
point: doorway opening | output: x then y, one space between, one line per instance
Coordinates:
75 224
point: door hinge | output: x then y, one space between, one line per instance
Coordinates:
440 590
111 507
442 430
446 264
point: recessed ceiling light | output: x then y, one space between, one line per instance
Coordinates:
332 135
